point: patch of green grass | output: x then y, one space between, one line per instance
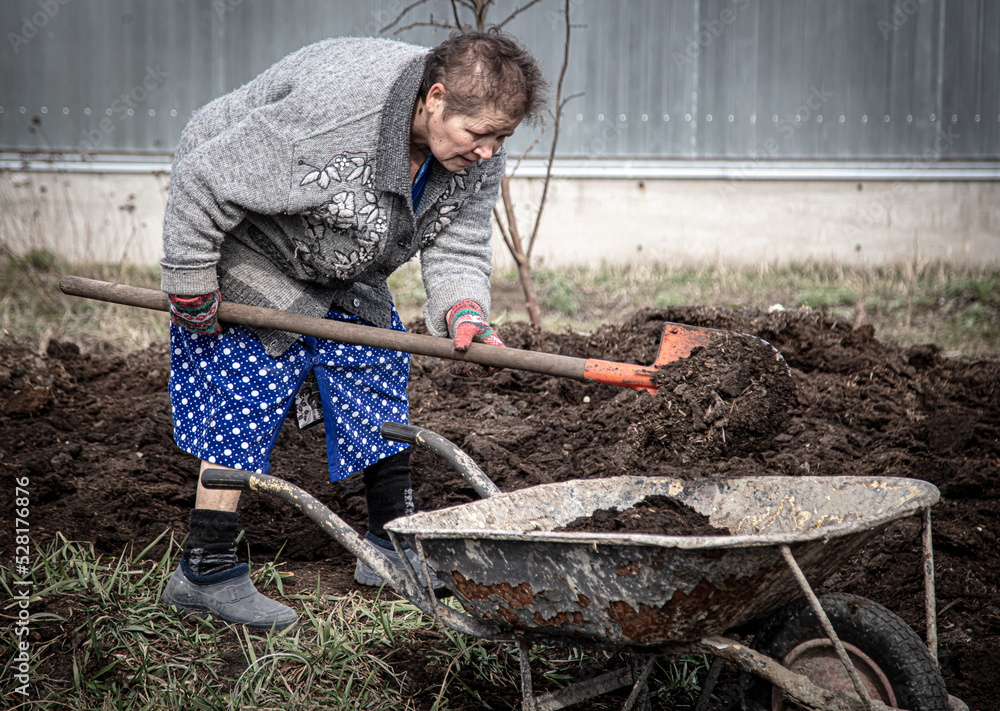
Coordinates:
559 292
40 259
99 639
976 319
666 299
983 288
820 299
408 290
680 678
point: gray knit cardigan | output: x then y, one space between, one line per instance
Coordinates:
293 193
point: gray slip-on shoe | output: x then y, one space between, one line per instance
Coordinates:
363 575
228 596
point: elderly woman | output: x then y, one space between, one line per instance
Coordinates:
303 191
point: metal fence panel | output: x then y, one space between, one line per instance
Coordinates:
732 80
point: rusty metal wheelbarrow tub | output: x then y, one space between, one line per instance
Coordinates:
502 559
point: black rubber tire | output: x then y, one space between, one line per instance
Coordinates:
873 629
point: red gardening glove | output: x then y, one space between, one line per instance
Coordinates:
198 314
466 323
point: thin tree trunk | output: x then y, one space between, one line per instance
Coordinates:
560 104
513 239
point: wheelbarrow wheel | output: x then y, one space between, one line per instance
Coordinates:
891 659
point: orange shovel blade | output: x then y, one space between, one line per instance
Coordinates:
678 341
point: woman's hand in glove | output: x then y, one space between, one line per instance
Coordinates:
466 323
198 314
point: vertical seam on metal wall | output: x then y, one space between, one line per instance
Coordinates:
695 78
940 74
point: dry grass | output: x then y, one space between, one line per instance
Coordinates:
956 308
34 311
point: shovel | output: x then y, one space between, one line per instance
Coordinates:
678 340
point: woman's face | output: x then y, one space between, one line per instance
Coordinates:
460 140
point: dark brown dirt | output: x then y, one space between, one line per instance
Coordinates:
728 398
92 431
655 514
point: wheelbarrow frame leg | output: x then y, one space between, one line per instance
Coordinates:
527 690
635 674
642 665
797 687
709 686
800 577
930 599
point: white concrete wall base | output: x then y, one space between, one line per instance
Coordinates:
751 222
108 217
101 217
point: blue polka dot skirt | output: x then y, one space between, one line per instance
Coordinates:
230 398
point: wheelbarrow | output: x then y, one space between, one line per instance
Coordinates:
519 580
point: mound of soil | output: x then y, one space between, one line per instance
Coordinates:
655 514
730 397
92 431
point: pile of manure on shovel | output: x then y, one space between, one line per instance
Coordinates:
729 397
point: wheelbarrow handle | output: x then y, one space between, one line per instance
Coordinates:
398 432
338 529
233 479
447 450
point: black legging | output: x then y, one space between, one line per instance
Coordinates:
388 491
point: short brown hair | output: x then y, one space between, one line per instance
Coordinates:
486 69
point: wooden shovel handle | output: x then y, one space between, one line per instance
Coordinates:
532 361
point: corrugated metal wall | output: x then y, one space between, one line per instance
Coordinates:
816 80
